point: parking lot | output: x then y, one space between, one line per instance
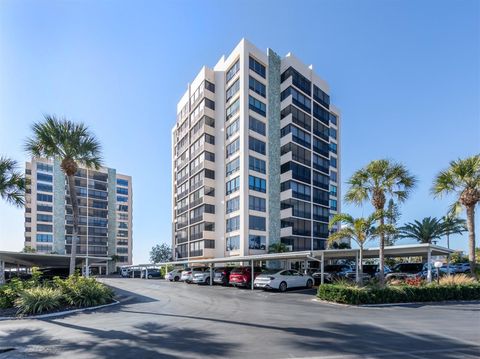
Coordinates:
175 320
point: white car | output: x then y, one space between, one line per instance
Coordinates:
187 274
174 275
282 279
202 277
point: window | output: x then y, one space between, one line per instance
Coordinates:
257 86
209 86
321 97
320 130
256 145
233 205
257 67
232 243
257 106
320 163
44 197
257 242
232 90
298 80
333 176
44 177
298 98
232 109
209 156
209 139
232 224
210 104
257 204
232 148
333 133
44 167
121 190
333 147
320 147
257 223
44 227
299 190
333 204
44 218
233 70
333 119
122 199
232 185
42 187
320 213
256 164
320 196
333 162
44 208
299 172
299 153
44 238
333 190
320 113
233 128
320 180
122 208
232 166
257 184
256 125
299 136
298 117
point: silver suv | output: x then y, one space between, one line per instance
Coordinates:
189 273
202 277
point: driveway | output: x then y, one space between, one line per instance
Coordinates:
158 319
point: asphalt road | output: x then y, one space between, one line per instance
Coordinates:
158 319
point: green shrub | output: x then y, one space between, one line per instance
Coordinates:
38 300
398 294
9 292
84 292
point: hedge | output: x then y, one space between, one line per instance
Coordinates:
397 294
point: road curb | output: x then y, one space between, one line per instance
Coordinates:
395 304
57 314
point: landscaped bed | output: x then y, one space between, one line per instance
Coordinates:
36 296
449 289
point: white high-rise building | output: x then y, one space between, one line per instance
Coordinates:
256 157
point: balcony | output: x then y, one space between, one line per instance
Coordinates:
286 232
286 213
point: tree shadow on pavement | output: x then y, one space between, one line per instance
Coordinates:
147 340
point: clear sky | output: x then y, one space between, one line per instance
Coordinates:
404 73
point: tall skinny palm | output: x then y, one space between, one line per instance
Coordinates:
453 225
425 231
462 178
73 144
359 230
12 182
373 183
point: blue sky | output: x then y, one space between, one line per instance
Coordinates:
404 73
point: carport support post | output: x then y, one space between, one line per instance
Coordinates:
133 272
356 267
322 265
211 275
429 265
146 272
252 277
2 272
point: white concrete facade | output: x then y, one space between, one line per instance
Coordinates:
210 110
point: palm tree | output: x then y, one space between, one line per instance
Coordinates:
463 179
453 225
277 247
392 215
73 144
12 182
374 182
359 230
425 231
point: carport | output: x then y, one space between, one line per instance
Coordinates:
424 250
10 260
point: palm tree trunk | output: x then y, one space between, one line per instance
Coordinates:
360 267
76 215
381 255
471 238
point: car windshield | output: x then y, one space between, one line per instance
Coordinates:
408 267
334 268
238 270
370 268
269 271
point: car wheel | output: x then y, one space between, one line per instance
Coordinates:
149 276
176 279
171 280
309 283
282 287
207 280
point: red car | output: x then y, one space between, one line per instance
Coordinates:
242 276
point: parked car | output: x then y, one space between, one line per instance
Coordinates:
462 268
405 270
202 277
124 272
369 271
151 273
222 275
128 273
332 272
282 279
242 276
187 274
174 275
